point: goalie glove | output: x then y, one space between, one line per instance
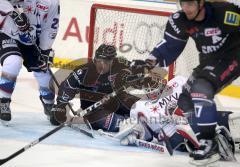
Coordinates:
20 20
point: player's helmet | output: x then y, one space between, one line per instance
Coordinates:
153 87
107 52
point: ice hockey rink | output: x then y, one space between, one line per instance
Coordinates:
68 147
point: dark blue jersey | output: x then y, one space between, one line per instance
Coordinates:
217 34
85 79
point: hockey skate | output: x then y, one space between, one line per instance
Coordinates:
47 107
207 155
5 112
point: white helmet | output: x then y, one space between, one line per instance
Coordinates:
153 87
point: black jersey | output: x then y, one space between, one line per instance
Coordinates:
218 33
91 85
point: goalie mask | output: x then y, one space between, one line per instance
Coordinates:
153 87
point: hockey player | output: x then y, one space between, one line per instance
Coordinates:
94 80
27 31
214 26
158 117
157 112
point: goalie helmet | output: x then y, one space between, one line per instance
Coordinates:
153 87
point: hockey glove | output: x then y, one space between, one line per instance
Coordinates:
58 114
46 59
141 66
127 78
21 20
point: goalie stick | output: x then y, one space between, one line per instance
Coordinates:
165 137
139 143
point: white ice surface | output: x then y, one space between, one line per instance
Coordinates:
69 148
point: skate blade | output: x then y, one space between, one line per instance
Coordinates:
5 123
210 162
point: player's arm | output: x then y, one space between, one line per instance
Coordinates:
49 25
49 29
5 8
172 45
70 86
16 14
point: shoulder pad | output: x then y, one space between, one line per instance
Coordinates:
178 15
177 22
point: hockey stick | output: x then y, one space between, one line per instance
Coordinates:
69 123
165 138
28 146
131 80
167 142
33 143
139 143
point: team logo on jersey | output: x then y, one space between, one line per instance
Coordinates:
42 7
154 109
176 15
212 32
232 18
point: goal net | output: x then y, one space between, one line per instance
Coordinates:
135 32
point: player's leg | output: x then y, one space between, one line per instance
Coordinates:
31 62
11 62
46 90
209 80
109 123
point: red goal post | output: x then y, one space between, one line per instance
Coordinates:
133 31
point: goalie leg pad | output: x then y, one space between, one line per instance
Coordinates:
132 129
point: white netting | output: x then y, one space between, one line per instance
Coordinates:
135 33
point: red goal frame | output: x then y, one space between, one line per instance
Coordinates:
121 8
